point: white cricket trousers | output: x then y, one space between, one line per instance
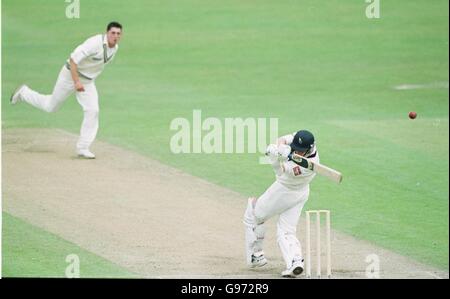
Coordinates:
277 200
64 87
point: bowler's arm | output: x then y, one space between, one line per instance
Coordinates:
75 77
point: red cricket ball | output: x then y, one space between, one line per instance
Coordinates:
412 115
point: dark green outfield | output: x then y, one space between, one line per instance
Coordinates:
315 64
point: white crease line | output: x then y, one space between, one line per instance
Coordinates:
421 86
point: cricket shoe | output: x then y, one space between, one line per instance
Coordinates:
15 97
258 260
85 153
295 270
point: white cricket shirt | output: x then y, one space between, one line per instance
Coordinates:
92 56
289 173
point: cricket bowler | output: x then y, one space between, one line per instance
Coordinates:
286 198
78 75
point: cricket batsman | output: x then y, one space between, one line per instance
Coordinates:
286 198
78 75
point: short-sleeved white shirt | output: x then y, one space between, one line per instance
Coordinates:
92 56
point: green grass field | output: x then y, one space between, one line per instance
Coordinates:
29 251
320 65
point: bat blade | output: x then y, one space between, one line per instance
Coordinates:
328 172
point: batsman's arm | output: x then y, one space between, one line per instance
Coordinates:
280 151
274 158
75 77
286 139
281 141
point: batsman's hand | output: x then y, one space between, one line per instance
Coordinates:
78 86
284 151
272 150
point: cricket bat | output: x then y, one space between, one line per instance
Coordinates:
320 169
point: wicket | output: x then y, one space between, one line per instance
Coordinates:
318 245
